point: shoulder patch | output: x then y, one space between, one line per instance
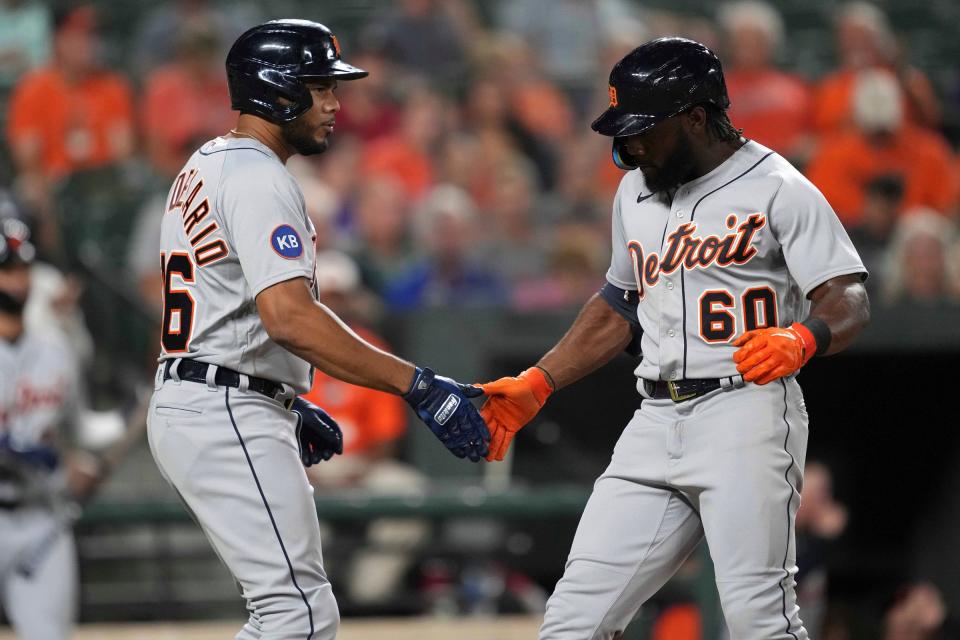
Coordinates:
285 241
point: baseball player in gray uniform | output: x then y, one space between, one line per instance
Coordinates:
39 403
241 329
729 272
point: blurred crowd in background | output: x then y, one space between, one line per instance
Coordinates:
462 172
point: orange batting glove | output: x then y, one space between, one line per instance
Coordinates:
767 354
512 403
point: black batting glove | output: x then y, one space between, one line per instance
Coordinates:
319 435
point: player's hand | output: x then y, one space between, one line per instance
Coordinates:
512 403
319 435
768 354
444 406
85 472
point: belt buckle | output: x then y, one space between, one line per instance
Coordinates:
675 394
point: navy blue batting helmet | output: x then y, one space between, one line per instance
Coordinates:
656 81
268 65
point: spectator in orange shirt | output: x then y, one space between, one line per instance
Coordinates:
186 102
372 423
367 109
678 622
883 144
772 106
865 41
371 420
407 155
71 114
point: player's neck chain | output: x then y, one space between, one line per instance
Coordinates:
242 135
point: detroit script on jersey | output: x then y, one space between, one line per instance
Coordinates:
39 407
737 249
685 248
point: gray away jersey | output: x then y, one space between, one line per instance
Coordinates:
39 407
737 249
234 223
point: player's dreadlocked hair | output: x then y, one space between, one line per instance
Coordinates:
719 126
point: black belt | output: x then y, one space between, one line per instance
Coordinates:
193 371
680 390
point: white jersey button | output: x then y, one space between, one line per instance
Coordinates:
669 285
671 333
679 214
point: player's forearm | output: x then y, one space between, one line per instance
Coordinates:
306 328
320 338
596 336
331 346
843 305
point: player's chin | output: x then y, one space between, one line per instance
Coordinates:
650 174
313 147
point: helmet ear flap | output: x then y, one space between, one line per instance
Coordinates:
621 158
270 94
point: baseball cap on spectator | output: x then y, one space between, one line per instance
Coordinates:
877 102
864 35
336 272
74 18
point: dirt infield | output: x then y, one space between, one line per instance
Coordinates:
506 628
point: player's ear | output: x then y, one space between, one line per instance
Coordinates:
695 119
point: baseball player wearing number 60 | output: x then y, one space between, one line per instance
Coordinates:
729 272
241 328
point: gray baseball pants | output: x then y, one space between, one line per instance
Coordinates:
41 606
728 466
233 457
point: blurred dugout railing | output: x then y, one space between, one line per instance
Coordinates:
877 417
147 561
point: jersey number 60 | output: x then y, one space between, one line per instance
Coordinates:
717 322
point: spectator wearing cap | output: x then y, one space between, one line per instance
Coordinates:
371 420
186 102
373 424
771 106
871 236
450 274
865 41
917 272
408 154
883 144
72 114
